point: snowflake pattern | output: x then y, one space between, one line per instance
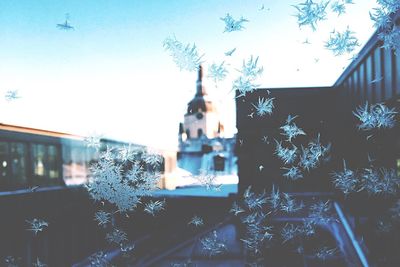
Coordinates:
116 236
212 246
232 25
375 116
186 57
196 221
264 106
102 218
37 225
217 72
309 13
342 42
290 129
249 73
154 207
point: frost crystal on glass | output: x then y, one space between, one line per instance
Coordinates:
186 57
325 253
342 42
254 201
196 221
383 181
116 236
321 213
249 73
236 209
232 25
217 72
93 141
154 207
289 204
99 259
37 225
38 263
264 106
212 246
391 38
286 154
209 180
381 18
290 129
309 13
293 173
121 184
338 7
230 52
102 217
153 159
289 232
346 180
66 26
11 95
375 116
313 154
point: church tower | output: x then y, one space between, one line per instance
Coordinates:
202 118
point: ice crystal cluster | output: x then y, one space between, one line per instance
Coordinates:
232 25
37 225
382 18
217 72
123 183
196 221
11 95
102 217
313 154
99 259
287 155
250 72
154 207
208 180
321 213
212 245
116 236
290 129
342 42
186 57
325 253
264 106
375 116
310 13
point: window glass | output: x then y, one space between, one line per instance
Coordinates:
38 160
18 167
4 162
52 161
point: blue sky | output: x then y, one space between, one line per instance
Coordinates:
111 75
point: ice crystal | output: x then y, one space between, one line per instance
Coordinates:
309 13
293 173
383 181
320 213
209 180
126 153
99 259
375 116
289 232
10 261
290 129
38 263
346 180
308 228
217 72
254 201
264 106
116 236
66 26
11 95
338 7
236 209
153 159
232 25
186 57
391 38
37 225
154 207
325 253
230 52
249 73
289 204
212 246
287 155
342 42
275 198
196 221
381 18
93 141
121 184
313 154
257 235
102 217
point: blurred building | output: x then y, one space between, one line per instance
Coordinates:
202 145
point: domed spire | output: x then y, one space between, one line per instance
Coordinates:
200 90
